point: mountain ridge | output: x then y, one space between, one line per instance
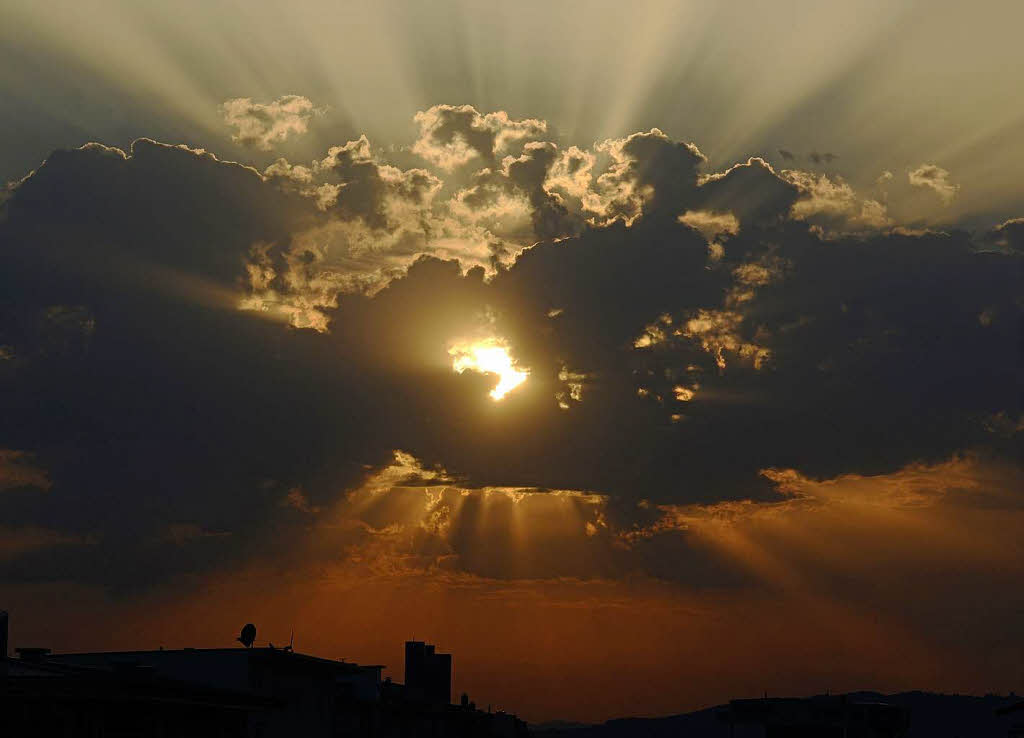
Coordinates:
932 715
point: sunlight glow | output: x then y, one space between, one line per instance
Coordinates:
489 356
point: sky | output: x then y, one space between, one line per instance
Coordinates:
641 355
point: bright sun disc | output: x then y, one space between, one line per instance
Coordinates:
489 357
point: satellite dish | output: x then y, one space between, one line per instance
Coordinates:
248 635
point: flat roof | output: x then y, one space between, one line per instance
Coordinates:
263 650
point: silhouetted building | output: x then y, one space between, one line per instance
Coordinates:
234 693
308 690
427 672
1016 712
39 698
814 717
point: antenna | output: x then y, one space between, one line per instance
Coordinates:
291 642
248 635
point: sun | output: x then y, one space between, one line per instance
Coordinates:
489 356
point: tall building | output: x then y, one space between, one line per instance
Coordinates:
248 692
427 672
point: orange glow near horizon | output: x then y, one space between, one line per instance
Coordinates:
489 356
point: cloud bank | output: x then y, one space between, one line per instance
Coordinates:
206 367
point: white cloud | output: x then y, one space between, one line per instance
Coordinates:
261 125
935 178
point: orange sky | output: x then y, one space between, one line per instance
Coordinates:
855 583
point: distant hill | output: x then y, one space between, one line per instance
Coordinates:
931 716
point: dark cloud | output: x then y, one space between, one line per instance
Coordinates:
147 396
525 177
753 192
453 135
179 432
131 212
787 155
649 174
1008 235
826 158
366 188
18 472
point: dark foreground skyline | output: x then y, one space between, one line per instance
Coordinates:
673 335
262 690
